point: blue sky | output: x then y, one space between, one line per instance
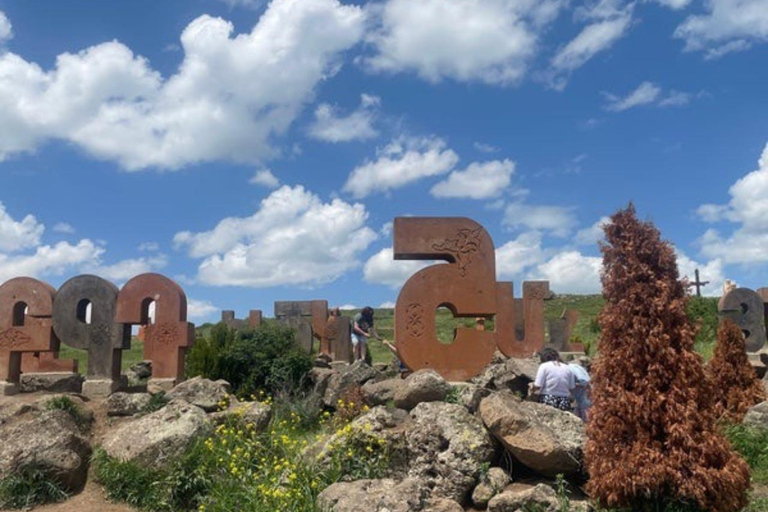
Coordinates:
259 151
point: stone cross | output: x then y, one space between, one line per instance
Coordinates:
308 318
698 284
254 319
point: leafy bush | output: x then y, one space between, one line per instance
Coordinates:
29 487
266 358
702 311
64 403
752 444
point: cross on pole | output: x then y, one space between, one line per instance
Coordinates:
698 283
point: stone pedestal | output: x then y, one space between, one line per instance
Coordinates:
101 388
53 382
9 388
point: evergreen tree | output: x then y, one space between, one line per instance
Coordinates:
652 435
734 381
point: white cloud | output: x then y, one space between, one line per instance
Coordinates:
592 234
726 26
711 271
50 260
63 227
149 247
485 148
14 235
748 208
478 181
571 272
675 4
6 29
265 178
292 239
647 93
517 255
381 268
230 98
249 4
330 127
558 220
403 161
490 41
609 21
387 305
200 309
348 307
125 269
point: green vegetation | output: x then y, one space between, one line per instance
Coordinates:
752 444
130 357
29 487
64 403
703 312
252 360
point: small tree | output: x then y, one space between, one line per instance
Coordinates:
735 383
652 438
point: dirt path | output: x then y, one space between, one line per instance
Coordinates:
90 500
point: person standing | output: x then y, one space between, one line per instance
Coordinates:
554 381
581 391
362 329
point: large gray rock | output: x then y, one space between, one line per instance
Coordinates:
52 382
204 393
50 440
421 386
545 439
347 378
470 396
511 374
447 449
757 416
541 498
255 414
127 404
442 505
381 392
492 484
158 438
384 495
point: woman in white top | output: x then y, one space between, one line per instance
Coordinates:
554 381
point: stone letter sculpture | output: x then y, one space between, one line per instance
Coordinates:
102 336
746 308
466 286
167 339
307 317
26 306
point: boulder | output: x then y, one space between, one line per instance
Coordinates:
540 498
256 414
757 416
545 439
384 495
421 386
447 449
381 392
319 377
348 377
204 393
442 505
158 438
50 440
512 374
127 404
51 382
139 371
492 483
470 396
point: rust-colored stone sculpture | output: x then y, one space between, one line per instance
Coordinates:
253 321
26 308
47 362
168 338
520 322
308 318
336 341
466 286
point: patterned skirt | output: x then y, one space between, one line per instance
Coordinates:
559 402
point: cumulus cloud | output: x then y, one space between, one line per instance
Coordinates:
711 271
50 260
17 235
149 247
387 305
249 4
647 93
726 26
265 178
200 309
592 234
558 220
381 268
571 272
519 254
125 269
491 41
403 161
478 181
329 126
747 209
64 228
675 4
230 98
293 239
608 21
6 29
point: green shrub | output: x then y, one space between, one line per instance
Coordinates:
752 444
28 487
452 397
703 313
156 402
266 358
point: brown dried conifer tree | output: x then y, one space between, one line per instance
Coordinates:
652 433
735 383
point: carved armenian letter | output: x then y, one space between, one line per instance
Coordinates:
167 339
747 309
100 335
26 306
466 286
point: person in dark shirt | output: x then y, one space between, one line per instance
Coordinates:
362 329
